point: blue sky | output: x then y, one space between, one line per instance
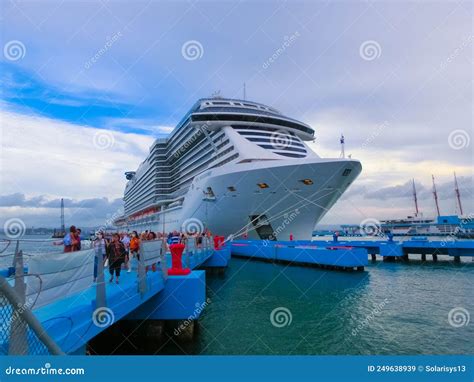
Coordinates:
394 77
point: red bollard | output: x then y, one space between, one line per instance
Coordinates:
177 262
216 242
219 242
291 237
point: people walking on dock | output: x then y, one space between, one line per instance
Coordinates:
116 255
70 240
100 248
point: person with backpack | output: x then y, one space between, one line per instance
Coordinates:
116 256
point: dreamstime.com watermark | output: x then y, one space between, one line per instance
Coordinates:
369 318
47 369
287 42
373 135
458 317
197 311
202 130
286 222
281 317
14 50
109 222
456 52
192 50
14 228
370 50
20 309
458 230
111 40
371 227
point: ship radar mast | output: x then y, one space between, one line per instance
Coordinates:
343 153
216 95
435 194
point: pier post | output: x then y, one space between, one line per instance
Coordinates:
435 258
423 257
457 259
163 260
373 256
141 272
100 300
18 342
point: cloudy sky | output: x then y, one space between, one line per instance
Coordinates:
88 85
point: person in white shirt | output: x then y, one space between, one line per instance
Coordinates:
126 242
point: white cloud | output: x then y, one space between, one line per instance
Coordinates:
41 156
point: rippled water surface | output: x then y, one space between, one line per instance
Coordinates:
391 308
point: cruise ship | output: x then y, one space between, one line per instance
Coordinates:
238 169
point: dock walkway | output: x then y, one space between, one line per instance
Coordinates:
72 309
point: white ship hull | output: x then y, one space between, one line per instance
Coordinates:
288 205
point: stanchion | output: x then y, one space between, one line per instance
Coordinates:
18 343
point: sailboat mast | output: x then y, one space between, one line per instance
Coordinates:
415 199
457 193
63 227
435 194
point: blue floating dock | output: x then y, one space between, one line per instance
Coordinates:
180 299
402 249
331 257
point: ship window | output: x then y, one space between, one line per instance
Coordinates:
346 172
231 188
308 182
263 185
